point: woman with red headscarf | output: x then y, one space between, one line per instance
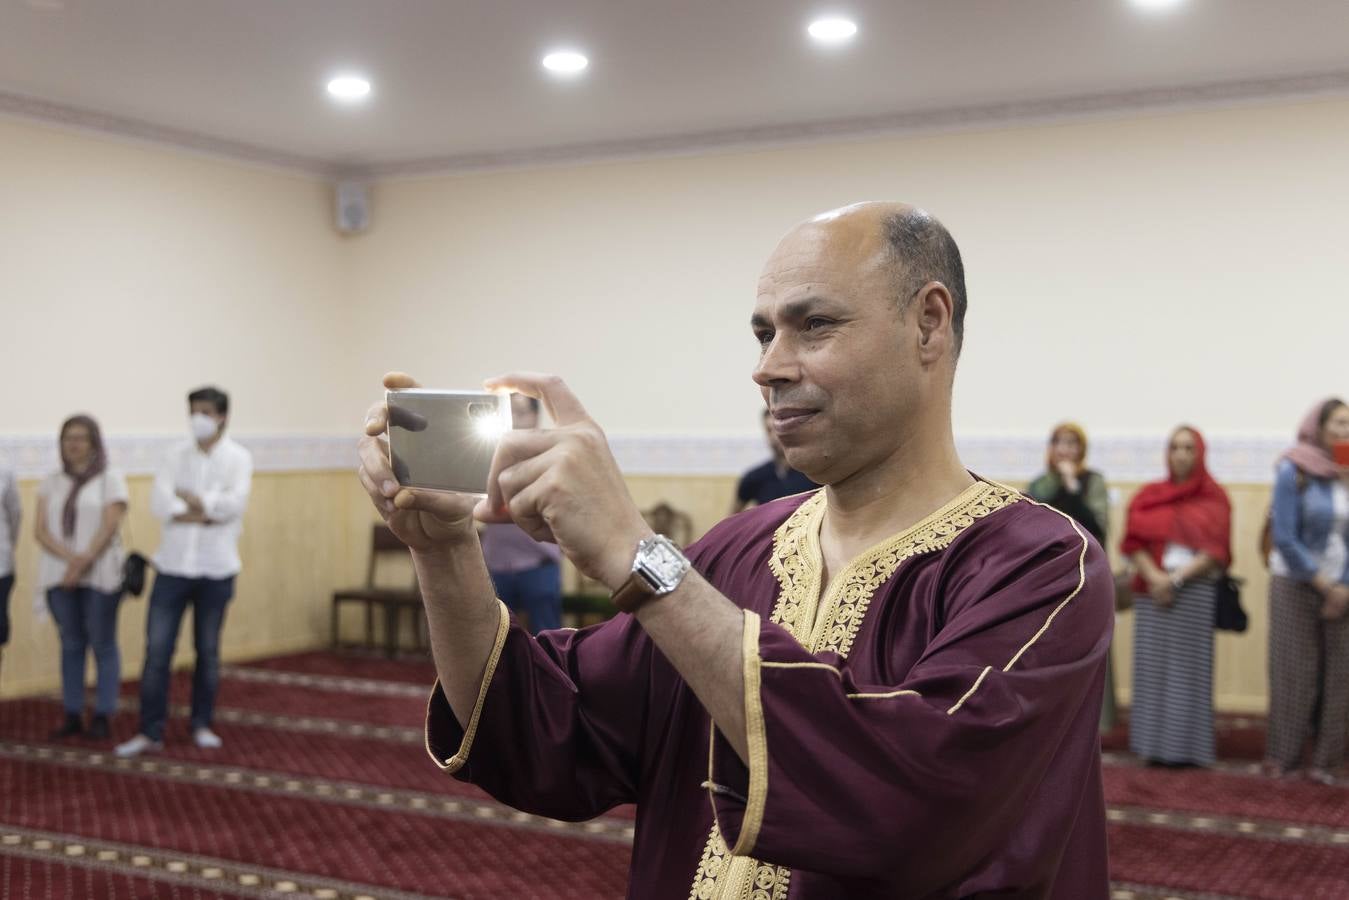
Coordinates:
1179 536
79 511
1309 597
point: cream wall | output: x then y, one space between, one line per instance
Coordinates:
1149 270
1130 273
130 274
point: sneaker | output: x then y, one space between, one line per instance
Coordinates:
99 729
70 728
207 739
1323 776
138 745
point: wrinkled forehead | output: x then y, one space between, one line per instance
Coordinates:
841 255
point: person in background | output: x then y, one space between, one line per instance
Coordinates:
1070 487
200 494
772 480
1178 535
79 512
1308 599
526 573
10 515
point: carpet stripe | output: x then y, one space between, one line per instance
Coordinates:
186 869
462 809
335 683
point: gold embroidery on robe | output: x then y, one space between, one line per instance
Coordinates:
830 623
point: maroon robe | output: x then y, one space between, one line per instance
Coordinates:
934 734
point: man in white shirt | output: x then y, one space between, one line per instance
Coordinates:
200 494
9 536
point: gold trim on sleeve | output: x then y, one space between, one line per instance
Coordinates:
1081 583
755 739
456 762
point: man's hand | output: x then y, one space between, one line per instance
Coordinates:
193 502
563 484
427 521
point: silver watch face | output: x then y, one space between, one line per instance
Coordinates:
660 563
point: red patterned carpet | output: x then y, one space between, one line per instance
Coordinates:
323 790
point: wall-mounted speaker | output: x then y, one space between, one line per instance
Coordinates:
352 199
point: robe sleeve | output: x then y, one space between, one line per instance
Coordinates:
558 726
916 782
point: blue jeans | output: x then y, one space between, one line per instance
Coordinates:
6 585
536 592
87 618
168 601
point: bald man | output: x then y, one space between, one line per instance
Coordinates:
888 687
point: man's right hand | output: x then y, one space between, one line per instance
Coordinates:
427 521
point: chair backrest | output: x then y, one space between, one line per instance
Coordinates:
675 525
384 543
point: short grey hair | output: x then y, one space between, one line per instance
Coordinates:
924 251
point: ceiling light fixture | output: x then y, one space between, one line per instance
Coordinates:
832 30
565 62
349 88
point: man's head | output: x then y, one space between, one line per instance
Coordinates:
208 403
860 320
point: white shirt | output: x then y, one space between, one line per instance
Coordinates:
94 498
9 520
221 479
1336 555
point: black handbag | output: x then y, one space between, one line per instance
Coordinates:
1227 612
133 574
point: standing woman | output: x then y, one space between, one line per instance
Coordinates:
1178 535
1070 487
78 513
1308 598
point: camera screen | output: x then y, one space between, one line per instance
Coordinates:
444 440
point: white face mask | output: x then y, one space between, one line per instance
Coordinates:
203 426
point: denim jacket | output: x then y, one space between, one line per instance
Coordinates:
1302 521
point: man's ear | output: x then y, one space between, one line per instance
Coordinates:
933 308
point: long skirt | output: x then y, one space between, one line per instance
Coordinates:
1172 716
1308 659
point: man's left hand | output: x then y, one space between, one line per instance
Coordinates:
562 484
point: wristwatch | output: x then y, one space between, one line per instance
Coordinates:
657 570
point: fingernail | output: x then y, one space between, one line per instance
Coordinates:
390 488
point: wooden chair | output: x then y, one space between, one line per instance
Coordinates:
391 601
588 602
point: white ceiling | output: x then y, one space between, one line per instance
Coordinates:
458 85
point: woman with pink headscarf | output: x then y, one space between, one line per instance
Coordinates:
1309 597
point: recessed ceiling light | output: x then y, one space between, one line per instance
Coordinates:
1156 5
349 88
832 30
565 62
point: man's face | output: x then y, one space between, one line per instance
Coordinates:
206 408
837 364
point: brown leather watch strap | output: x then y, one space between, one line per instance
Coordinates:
632 594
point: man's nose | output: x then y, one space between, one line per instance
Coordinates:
778 364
